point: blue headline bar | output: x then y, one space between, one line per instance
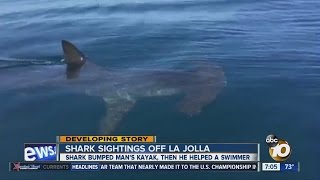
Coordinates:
159 148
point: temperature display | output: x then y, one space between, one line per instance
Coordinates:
283 167
293 167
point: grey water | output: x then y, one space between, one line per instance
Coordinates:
269 50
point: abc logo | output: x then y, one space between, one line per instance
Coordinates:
279 149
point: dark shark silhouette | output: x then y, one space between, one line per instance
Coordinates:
120 89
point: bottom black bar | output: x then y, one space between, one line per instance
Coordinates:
85 166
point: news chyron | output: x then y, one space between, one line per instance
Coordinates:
279 149
40 152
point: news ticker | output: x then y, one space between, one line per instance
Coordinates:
223 166
44 166
131 151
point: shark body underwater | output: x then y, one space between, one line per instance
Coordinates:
120 89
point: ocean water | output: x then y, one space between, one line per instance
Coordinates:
269 50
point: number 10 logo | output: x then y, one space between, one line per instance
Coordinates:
279 149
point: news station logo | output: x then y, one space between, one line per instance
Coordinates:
40 152
279 149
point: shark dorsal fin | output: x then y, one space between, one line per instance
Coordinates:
74 59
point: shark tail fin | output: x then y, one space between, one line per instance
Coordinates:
73 57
